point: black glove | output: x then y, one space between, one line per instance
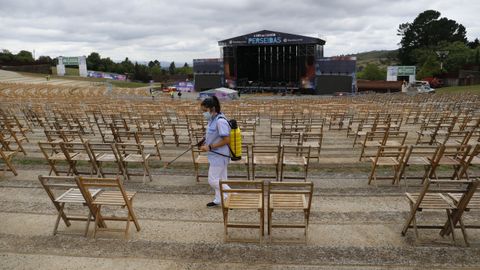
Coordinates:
201 142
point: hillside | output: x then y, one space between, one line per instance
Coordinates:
381 58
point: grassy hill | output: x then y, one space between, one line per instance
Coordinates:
473 89
381 58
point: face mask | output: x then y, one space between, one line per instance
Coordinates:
207 115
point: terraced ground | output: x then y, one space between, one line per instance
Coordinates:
352 225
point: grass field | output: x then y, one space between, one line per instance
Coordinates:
474 89
72 74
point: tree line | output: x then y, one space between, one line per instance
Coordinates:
435 45
95 62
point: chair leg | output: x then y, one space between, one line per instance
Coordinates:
269 221
147 170
128 225
450 221
411 216
464 231
57 222
253 172
97 218
372 174
261 230
88 223
282 167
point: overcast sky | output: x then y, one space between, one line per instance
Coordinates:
182 30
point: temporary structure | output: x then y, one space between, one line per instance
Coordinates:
221 93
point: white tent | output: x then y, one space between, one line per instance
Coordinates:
221 93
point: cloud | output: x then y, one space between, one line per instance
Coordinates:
182 30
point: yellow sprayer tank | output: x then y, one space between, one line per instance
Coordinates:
235 141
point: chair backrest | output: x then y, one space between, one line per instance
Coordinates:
426 151
71 148
50 148
57 185
443 187
290 138
396 152
313 137
299 151
145 135
97 149
376 136
125 149
460 137
86 184
398 136
458 152
262 150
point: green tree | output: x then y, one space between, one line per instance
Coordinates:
430 68
171 68
107 65
427 30
24 57
372 72
6 57
141 73
474 44
94 61
45 60
128 66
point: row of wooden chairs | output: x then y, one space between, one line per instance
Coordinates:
275 157
402 158
95 194
97 155
250 196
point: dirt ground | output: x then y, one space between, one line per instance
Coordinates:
353 225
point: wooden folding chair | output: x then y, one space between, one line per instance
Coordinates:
113 195
63 191
266 155
9 137
149 139
387 156
372 140
105 153
289 197
395 138
433 197
133 153
463 201
298 156
313 139
473 159
76 152
428 131
418 155
53 153
6 157
454 138
450 156
290 138
245 196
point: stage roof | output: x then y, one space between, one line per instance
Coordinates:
266 37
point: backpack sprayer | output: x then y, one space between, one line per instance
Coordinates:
235 145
